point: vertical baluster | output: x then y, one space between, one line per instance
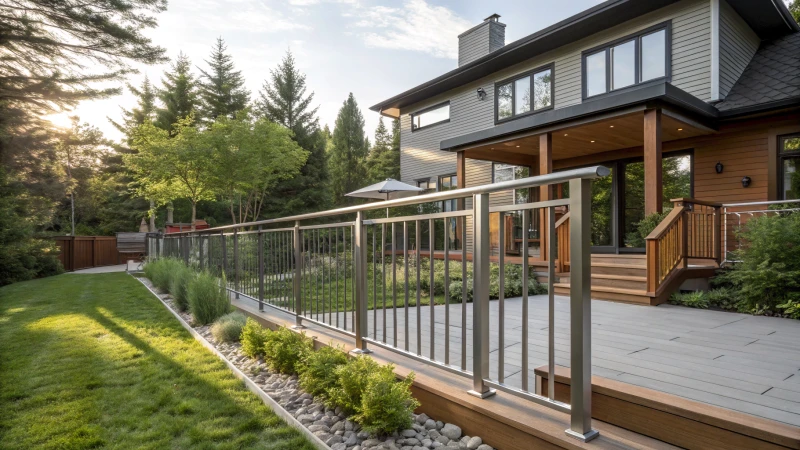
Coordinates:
260 269
360 323
394 284
383 276
405 263
501 314
446 238
525 225
551 303
345 273
418 253
464 293
374 285
432 247
352 273
336 243
298 269
330 276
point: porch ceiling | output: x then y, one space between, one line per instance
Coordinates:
617 133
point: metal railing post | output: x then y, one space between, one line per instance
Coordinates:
360 326
580 198
224 249
296 286
480 302
260 269
236 262
200 256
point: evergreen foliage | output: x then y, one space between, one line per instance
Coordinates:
253 337
144 111
383 161
794 8
228 328
284 100
348 152
222 91
178 94
284 350
318 370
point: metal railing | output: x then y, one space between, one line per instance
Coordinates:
739 213
391 283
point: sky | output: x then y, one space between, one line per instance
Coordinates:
372 48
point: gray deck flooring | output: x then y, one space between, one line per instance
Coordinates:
735 361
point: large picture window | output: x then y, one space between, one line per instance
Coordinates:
524 94
446 183
430 116
789 170
626 62
507 172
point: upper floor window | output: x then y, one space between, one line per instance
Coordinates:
628 61
789 156
431 116
525 93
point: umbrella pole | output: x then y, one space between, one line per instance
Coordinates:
387 209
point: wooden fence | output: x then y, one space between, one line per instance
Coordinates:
83 252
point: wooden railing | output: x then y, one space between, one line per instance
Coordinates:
562 235
690 230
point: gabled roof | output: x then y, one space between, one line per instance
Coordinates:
771 79
768 18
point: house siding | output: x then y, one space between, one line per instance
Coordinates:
737 45
691 69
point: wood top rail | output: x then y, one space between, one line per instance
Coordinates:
694 201
665 224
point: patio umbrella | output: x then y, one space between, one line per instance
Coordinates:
384 190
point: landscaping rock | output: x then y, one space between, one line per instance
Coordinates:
485 447
422 418
451 431
474 443
408 433
313 428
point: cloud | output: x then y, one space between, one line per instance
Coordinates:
241 15
417 26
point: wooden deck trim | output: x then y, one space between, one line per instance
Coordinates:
676 420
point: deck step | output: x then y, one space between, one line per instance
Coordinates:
611 293
608 268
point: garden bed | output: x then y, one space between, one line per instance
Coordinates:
332 426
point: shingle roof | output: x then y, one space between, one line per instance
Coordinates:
773 75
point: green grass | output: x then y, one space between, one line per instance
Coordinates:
95 361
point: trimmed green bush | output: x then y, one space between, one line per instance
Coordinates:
208 300
723 298
253 337
351 383
284 349
179 286
318 370
228 328
160 272
386 403
691 299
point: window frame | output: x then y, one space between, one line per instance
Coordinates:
512 80
637 38
430 108
514 166
783 155
439 189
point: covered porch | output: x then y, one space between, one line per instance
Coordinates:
649 150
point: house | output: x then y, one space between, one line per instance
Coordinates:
691 99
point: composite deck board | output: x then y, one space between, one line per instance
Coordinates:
736 361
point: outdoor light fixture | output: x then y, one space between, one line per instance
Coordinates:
746 181
719 167
481 94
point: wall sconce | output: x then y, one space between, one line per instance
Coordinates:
746 181
719 167
481 94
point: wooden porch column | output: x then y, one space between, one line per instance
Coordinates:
545 192
653 191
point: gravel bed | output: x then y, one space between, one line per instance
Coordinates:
332 425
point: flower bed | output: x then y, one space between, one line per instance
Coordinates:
332 425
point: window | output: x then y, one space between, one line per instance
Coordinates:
524 94
789 160
508 172
628 61
431 116
427 185
446 183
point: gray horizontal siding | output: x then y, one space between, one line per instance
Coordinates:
473 45
737 45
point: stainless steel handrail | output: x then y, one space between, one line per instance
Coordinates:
321 273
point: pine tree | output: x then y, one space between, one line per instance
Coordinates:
383 161
222 91
144 111
178 93
348 152
283 100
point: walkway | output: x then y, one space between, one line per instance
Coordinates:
736 361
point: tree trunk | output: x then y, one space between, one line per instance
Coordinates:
169 213
152 216
194 213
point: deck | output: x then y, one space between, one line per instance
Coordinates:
735 361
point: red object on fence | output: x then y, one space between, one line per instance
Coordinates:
180 227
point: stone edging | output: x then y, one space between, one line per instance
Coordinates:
251 385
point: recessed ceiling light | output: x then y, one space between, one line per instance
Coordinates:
565 134
592 142
518 146
680 129
611 126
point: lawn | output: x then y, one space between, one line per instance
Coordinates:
89 361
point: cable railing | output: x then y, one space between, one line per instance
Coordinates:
736 215
419 284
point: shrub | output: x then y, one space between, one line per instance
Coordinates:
160 272
318 370
179 285
207 299
645 227
696 299
769 272
791 309
228 328
723 298
351 383
284 350
253 337
456 289
386 403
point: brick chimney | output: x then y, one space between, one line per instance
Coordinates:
481 40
